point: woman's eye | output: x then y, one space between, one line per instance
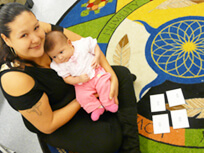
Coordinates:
61 52
36 27
54 57
24 35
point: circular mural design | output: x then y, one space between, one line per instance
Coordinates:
178 48
175 51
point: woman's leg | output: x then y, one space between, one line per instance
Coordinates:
127 112
83 135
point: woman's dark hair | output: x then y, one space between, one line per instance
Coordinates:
8 13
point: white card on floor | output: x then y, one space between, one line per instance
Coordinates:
161 123
157 103
175 97
179 119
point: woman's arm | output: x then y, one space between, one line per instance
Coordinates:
95 62
71 35
114 80
41 114
46 120
46 26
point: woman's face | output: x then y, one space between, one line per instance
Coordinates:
26 37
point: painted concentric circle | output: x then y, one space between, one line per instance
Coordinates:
178 48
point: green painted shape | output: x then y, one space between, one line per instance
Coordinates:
83 5
150 146
195 137
114 22
85 13
97 11
91 28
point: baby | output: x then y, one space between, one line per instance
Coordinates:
78 64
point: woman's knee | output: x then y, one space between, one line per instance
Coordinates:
121 69
122 73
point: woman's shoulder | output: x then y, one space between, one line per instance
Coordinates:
16 83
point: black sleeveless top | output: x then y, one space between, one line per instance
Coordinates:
46 80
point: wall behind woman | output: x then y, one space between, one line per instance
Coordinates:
51 10
13 133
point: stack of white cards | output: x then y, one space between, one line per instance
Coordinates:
179 117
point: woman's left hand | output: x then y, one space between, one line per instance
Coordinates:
114 89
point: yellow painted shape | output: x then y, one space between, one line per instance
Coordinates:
121 4
102 4
189 46
91 1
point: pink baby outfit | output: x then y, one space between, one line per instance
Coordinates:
80 63
100 84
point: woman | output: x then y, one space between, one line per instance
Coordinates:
47 104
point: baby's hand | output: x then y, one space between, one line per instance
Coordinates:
95 63
84 78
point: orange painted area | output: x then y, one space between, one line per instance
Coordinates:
175 137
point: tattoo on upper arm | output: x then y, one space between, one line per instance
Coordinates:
36 109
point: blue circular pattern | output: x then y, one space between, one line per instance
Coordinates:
178 48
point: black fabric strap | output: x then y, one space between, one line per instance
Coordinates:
57 28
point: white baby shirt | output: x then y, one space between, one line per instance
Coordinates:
80 62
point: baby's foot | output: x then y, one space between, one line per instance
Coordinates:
112 108
96 113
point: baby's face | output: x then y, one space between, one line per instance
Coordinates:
62 52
